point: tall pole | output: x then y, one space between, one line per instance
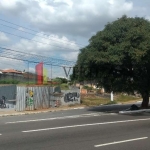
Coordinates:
51 74
28 73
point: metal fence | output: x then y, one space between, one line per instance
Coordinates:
42 97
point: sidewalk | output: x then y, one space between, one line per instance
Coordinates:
12 112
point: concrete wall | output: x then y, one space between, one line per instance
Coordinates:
70 97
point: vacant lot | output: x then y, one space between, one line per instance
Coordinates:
95 100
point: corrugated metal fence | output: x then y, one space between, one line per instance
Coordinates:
31 98
41 97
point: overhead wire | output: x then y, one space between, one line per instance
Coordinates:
35 54
9 64
26 58
13 54
70 43
37 32
71 50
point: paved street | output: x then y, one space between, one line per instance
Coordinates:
84 129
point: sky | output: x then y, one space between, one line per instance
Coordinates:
58 28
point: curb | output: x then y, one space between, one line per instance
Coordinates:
37 112
135 111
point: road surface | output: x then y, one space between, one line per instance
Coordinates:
80 129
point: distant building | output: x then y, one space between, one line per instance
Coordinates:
11 74
29 75
10 71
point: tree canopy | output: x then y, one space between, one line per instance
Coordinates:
118 57
60 80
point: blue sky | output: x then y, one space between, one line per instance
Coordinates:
61 27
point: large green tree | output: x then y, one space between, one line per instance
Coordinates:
118 57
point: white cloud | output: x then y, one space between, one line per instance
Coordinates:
21 29
31 69
72 17
117 7
3 38
7 63
8 4
70 56
49 46
13 7
148 18
63 20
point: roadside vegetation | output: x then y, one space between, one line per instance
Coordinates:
62 82
117 58
64 86
9 81
93 100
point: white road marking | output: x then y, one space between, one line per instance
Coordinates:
66 117
80 108
84 125
125 141
0 134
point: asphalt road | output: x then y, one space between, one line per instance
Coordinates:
83 129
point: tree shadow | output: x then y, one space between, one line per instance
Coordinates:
110 108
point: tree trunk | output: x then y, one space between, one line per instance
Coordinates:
145 102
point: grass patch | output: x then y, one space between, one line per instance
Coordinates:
64 86
126 98
111 102
94 101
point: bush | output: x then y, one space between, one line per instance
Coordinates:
87 87
9 82
64 86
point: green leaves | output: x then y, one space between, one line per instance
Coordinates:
118 57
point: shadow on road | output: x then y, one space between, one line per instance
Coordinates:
117 108
111 108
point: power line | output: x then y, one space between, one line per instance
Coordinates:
34 54
73 50
18 55
19 60
36 31
38 35
9 64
